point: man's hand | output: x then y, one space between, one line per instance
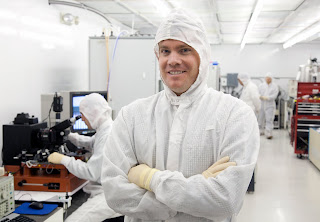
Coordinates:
218 167
141 175
55 158
264 98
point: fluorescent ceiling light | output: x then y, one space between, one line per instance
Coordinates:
161 7
253 20
303 35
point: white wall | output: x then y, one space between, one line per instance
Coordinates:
39 55
257 60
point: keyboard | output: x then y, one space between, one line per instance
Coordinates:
13 217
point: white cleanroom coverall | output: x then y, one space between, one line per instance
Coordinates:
82 141
98 113
268 106
182 136
250 93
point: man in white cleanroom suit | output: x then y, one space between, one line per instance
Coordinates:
96 113
160 162
250 93
268 93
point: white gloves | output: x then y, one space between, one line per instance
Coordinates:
264 97
141 175
218 167
55 158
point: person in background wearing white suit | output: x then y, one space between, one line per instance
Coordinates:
250 93
268 93
188 152
96 113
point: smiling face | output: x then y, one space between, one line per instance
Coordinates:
179 65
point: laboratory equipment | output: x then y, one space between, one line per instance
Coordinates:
309 72
71 100
24 142
25 151
6 195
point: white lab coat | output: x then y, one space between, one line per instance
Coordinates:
96 207
181 136
266 115
90 170
99 118
182 144
250 95
82 141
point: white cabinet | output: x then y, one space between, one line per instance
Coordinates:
314 146
134 69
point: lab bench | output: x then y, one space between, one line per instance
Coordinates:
55 216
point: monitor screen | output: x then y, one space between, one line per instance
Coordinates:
75 99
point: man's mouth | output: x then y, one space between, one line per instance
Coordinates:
176 72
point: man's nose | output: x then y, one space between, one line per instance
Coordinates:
174 59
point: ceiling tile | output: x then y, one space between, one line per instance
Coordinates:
275 15
190 4
271 19
254 40
142 6
233 27
281 5
105 6
234 10
235 5
267 24
232 38
234 17
278 21
260 33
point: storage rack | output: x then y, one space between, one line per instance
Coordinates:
307 115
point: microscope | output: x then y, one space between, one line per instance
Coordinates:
26 147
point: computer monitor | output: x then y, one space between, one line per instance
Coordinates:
75 99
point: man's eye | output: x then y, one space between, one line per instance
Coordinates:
164 51
185 50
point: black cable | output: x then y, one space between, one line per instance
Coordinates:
19 169
49 115
67 197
